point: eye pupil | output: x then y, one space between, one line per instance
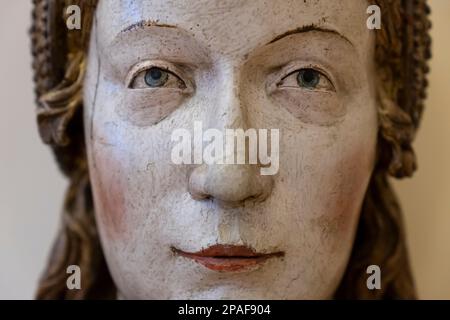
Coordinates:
156 77
155 73
308 78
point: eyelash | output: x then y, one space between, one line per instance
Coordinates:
304 73
277 78
142 69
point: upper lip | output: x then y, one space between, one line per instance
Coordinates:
228 251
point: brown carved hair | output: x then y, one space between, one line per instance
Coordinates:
401 53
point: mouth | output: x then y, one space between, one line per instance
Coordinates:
228 258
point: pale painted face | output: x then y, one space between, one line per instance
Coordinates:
303 67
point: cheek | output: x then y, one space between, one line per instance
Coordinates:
108 188
320 108
144 107
326 177
347 180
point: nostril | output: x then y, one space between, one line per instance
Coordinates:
257 198
199 196
229 185
265 186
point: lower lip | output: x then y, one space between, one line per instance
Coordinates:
229 264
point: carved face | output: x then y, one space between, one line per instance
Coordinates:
213 231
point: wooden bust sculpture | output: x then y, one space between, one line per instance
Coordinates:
345 99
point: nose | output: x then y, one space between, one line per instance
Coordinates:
230 184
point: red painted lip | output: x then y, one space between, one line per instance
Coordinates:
228 258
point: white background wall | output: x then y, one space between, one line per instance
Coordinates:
426 197
31 189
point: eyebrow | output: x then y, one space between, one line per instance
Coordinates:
309 28
145 28
145 23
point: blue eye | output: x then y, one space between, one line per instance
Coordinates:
156 77
308 78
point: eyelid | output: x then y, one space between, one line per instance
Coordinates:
163 65
293 67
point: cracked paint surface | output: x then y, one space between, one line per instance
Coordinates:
236 58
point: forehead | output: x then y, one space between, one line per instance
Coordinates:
236 26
